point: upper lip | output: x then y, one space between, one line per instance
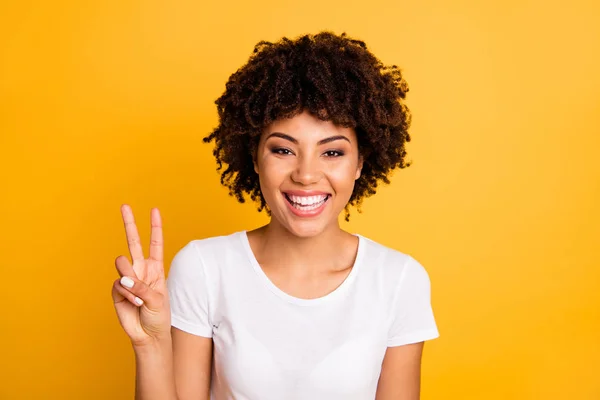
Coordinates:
305 192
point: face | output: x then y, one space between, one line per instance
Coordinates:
307 169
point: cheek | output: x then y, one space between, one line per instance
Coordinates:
342 178
272 174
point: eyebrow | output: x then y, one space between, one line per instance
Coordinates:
295 141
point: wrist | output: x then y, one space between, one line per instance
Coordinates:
153 345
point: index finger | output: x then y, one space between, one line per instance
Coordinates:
133 237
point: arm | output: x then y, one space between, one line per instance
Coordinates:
175 369
400 377
154 377
191 327
192 365
412 324
170 364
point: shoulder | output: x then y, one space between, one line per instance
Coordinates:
197 252
395 265
215 244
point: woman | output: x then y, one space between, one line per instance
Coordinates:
298 308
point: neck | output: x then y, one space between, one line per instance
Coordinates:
278 246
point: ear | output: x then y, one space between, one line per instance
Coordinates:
254 162
359 167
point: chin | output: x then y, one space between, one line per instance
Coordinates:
304 230
307 228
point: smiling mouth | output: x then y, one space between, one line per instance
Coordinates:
306 203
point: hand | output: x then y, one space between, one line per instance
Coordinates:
143 309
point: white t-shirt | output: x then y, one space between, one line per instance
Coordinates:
269 345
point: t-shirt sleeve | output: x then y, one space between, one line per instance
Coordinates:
188 294
412 319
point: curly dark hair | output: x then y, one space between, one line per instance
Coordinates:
335 78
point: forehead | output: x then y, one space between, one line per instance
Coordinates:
307 126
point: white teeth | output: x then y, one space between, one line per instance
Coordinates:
307 200
308 208
307 203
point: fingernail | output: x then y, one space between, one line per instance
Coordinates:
127 282
138 301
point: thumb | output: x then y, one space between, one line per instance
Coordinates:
151 298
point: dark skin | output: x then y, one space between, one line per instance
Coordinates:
296 254
311 258
331 76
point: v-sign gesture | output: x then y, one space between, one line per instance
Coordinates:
140 295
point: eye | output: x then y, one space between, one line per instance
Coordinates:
281 151
333 153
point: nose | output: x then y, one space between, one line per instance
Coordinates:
307 171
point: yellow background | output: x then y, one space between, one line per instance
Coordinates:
106 102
